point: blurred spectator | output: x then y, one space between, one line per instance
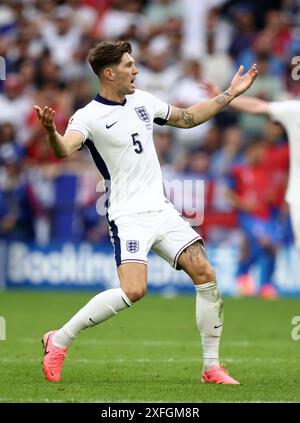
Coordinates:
61 37
185 93
157 77
16 221
7 20
163 146
8 140
219 30
292 10
84 16
276 160
251 192
119 18
244 29
268 87
15 105
43 11
217 64
194 26
276 22
213 139
262 50
229 155
159 11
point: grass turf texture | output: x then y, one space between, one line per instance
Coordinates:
150 353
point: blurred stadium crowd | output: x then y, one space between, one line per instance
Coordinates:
175 43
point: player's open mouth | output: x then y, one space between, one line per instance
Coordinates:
132 82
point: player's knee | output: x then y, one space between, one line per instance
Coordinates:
204 273
135 292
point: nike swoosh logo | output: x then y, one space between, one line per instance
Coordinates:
216 327
92 321
109 126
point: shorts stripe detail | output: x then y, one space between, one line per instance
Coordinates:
182 248
128 305
133 261
117 243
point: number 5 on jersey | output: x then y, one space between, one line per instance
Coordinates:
137 143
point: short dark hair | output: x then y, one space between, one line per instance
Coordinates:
107 53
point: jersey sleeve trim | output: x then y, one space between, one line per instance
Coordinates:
161 121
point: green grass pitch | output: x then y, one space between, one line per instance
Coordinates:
150 353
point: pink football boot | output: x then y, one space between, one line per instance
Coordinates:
53 358
219 376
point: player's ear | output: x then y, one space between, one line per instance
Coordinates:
109 74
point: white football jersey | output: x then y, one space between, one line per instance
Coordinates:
120 139
288 114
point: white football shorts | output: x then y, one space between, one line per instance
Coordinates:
164 232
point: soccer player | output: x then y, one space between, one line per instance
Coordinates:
117 128
287 113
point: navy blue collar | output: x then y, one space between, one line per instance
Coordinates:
104 100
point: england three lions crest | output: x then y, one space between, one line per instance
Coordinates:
143 113
132 246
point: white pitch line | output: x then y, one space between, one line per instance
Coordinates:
157 343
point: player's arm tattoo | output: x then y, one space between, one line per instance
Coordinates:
195 251
184 118
193 116
224 98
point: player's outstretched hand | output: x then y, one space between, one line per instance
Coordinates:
240 83
46 117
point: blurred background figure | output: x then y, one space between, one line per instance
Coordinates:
16 221
185 93
250 191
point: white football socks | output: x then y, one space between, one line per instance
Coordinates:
97 310
209 319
